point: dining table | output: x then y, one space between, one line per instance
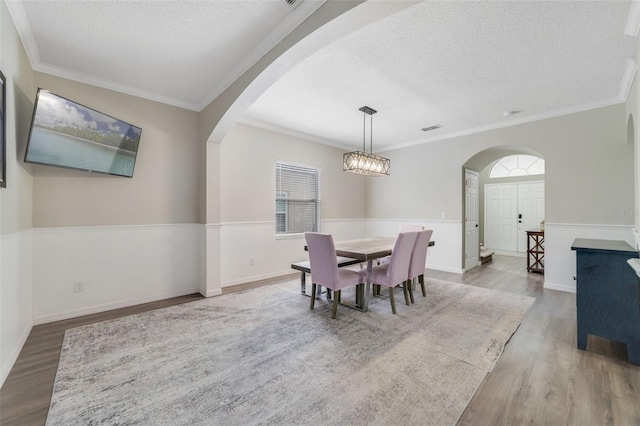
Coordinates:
365 250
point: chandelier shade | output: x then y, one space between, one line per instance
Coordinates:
362 162
366 164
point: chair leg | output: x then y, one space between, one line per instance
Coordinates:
421 280
405 290
393 302
410 284
313 295
334 309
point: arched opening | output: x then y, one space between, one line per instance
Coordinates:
508 201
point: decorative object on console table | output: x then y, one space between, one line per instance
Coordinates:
607 293
535 250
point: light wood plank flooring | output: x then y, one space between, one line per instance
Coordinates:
542 378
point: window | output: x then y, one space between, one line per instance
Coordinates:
517 165
297 199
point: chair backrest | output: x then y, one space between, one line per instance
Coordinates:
411 228
401 256
419 254
322 257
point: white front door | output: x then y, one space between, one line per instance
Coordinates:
530 210
500 215
472 246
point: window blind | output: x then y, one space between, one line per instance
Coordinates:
297 199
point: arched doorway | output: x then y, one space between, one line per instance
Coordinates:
515 189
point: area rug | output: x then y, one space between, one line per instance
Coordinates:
262 357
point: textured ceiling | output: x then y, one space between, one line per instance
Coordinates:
460 64
457 64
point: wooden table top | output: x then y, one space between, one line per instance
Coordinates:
365 249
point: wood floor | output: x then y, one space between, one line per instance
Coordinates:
541 378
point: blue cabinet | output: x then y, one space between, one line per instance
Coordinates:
607 293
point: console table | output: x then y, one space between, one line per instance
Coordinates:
535 250
607 293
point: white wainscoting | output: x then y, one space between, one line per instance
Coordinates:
212 285
560 260
16 315
446 255
118 266
250 251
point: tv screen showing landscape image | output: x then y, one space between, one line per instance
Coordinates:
67 134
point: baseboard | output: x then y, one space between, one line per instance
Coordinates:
559 287
508 253
7 365
212 293
110 306
256 278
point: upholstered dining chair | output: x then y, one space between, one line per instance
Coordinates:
418 261
396 272
403 228
325 271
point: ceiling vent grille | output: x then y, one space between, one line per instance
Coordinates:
292 3
426 129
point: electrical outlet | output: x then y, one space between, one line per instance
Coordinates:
252 261
78 287
443 215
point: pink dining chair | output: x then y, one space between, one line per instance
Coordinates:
396 272
418 261
385 260
325 271
403 228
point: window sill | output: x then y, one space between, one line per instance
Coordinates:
289 236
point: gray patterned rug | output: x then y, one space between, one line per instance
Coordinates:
262 357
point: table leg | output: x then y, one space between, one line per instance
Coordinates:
367 287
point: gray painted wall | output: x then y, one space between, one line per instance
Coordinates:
587 162
167 184
16 287
17 196
247 175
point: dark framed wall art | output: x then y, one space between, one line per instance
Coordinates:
3 131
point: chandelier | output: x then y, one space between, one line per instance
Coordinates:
362 162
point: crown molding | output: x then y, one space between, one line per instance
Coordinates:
291 22
510 123
111 85
295 134
633 20
304 9
19 17
627 79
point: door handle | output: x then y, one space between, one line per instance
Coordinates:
477 225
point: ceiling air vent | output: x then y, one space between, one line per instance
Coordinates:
292 3
426 129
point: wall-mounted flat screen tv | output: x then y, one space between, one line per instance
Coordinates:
67 134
